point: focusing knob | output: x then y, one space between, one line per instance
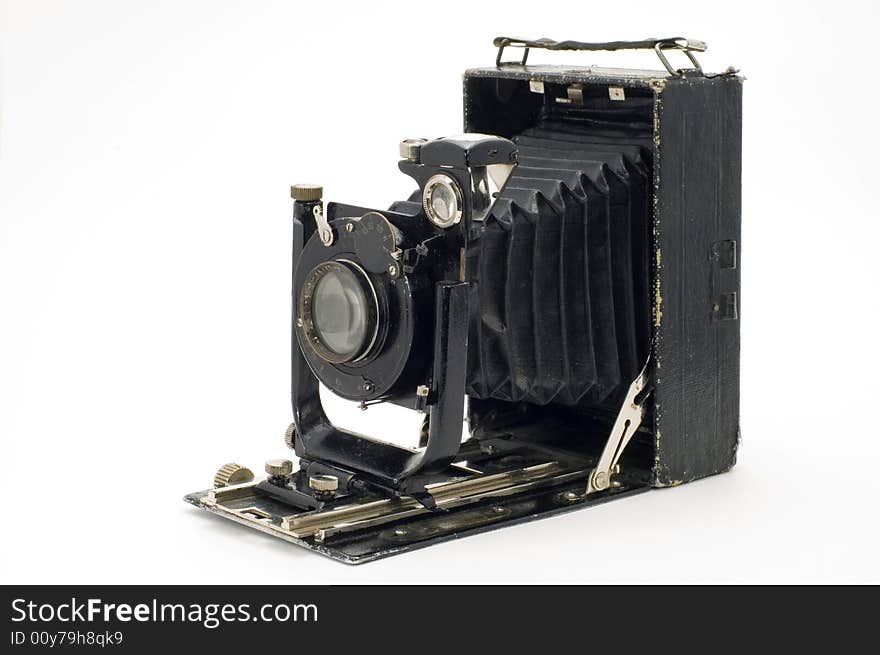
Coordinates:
410 148
289 435
306 192
232 473
279 467
324 483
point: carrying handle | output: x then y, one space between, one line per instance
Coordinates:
687 46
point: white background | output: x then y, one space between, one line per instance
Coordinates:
145 157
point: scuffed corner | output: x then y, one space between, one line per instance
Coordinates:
734 451
662 477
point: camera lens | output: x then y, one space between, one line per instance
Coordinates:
442 201
338 311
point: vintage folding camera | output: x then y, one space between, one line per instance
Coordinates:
564 277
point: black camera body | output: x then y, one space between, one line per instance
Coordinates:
566 274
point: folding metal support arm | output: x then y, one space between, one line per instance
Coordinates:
632 411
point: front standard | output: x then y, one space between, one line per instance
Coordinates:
565 277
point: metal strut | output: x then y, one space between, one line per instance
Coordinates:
629 418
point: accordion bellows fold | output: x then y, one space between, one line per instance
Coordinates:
561 271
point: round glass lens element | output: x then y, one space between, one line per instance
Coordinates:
338 311
442 201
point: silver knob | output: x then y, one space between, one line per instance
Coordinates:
410 149
232 473
279 467
324 482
